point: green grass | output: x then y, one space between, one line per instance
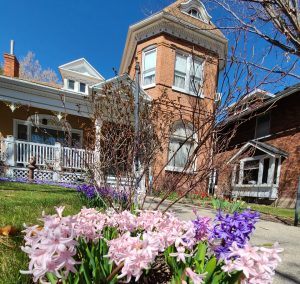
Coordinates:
271 210
23 203
207 202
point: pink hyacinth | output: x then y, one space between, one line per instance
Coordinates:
258 264
89 224
180 254
136 255
51 248
196 278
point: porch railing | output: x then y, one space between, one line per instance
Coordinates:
44 154
15 152
74 158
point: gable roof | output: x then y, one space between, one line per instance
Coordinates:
81 67
264 147
175 9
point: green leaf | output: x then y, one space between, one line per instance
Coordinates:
210 268
200 257
52 278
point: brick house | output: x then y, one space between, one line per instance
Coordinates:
175 46
262 160
181 53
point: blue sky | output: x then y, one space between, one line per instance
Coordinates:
59 31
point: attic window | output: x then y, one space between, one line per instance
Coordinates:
195 9
194 13
71 84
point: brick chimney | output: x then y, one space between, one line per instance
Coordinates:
11 64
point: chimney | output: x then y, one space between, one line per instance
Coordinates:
11 64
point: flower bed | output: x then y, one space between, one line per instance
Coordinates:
39 181
102 197
93 247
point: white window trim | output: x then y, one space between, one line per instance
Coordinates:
146 50
190 170
29 124
86 88
68 87
271 172
190 59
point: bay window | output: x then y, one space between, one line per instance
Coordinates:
257 171
188 74
149 67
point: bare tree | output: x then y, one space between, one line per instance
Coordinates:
275 21
31 69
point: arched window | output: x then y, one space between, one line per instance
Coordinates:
181 147
193 12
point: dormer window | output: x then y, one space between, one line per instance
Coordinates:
194 13
71 84
82 87
195 9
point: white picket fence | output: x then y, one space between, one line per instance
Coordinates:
15 152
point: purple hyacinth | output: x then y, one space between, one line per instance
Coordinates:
232 228
201 225
39 181
90 191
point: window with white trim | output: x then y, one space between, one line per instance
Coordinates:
48 131
188 74
181 147
149 67
82 87
257 171
71 84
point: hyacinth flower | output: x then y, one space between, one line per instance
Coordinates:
100 247
231 228
258 264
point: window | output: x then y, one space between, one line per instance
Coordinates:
82 87
181 147
188 74
46 133
71 84
149 66
193 12
262 125
251 169
22 132
257 171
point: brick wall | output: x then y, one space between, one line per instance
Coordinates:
285 135
166 51
11 65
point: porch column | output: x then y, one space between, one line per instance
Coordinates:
97 163
241 177
10 154
58 152
271 171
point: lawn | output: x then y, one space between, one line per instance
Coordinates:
267 209
23 203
